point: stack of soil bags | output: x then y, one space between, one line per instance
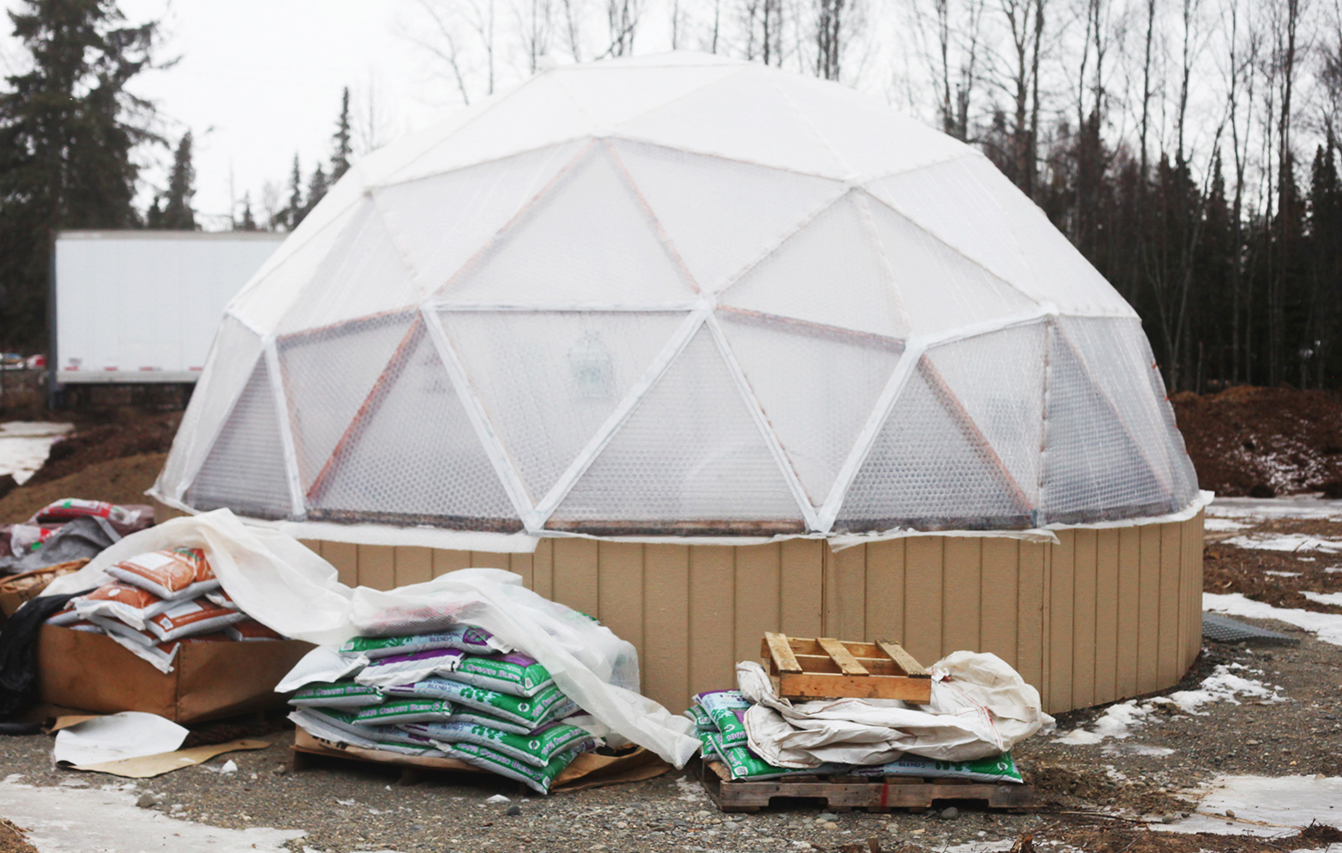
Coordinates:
158 601
448 693
719 721
68 529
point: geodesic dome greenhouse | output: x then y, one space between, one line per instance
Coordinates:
679 295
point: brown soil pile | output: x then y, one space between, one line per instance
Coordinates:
1263 442
131 434
1227 569
120 481
12 839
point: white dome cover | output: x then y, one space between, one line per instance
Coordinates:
679 295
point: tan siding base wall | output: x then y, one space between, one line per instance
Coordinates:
1103 615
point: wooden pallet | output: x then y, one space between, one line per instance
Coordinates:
846 793
826 668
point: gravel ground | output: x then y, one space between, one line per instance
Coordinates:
1093 797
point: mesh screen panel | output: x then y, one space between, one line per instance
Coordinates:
328 375
816 386
412 457
689 459
711 208
245 469
999 380
1094 466
587 240
930 468
548 381
829 272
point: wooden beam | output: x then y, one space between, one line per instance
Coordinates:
840 655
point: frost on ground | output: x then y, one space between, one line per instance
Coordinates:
1257 805
86 819
1223 685
1326 626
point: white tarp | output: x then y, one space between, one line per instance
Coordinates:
283 585
980 707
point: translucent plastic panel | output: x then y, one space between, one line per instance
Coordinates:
443 221
998 380
817 388
1096 466
940 288
1062 275
588 239
328 375
245 469
930 468
829 272
363 274
744 117
1120 361
537 114
868 136
412 456
227 369
549 381
950 203
611 94
689 459
722 216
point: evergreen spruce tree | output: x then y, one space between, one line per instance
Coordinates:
287 219
343 150
153 217
317 187
68 127
248 222
177 212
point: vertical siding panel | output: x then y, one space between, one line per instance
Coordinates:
1171 563
490 560
757 597
665 662
1148 611
413 564
1001 591
1030 635
621 590
1107 569
377 566
885 591
345 557
1192 561
1083 618
801 606
445 561
923 572
962 599
1062 612
712 608
523 564
1129 579
845 593
576 580
542 568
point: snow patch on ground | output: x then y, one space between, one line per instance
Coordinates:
1292 542
87 819
1284 574
1263 509
1262 806
1332 598
1220 525
24 446
1326 626
1118 721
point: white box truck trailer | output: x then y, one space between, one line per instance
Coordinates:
136 307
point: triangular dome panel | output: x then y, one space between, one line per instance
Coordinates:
411 454
473 205
930 468
588 239
613 94
245 469
721 215
328 375
743 117
689 459
830 272
940 288
817 388
548 381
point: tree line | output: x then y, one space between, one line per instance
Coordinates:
1188 148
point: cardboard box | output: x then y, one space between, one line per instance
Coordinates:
79 669
16 589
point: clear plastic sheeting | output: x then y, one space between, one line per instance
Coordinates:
678 296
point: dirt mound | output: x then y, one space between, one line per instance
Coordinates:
121 481
131 434
13 840
1262 442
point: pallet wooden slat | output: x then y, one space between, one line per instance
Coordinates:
841 656
826 668
777 648
902 659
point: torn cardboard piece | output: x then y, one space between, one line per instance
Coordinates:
116 737
148 766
